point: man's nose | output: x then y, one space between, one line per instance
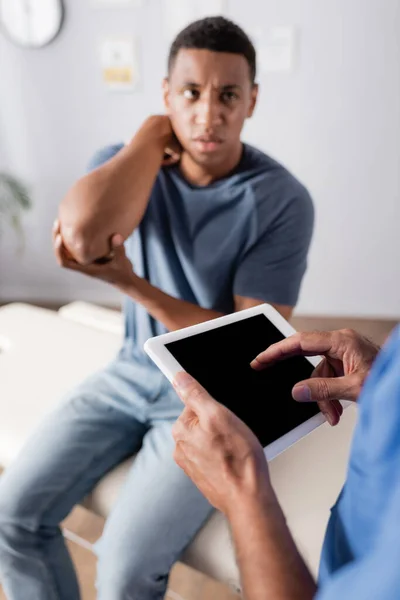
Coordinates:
208 113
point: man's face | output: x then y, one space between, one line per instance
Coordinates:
208 96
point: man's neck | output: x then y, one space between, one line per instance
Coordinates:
201 175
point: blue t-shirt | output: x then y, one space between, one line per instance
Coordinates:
361 554
246 234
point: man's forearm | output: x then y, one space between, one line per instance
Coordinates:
113 198
270 565
170 311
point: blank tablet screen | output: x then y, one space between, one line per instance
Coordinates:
220 360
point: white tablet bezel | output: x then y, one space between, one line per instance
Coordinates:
161 356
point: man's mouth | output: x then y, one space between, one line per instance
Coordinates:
207 143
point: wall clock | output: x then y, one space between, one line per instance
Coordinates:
31 23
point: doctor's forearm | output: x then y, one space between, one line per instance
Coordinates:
269 562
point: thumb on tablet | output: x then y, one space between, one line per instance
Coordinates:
320 389
325 391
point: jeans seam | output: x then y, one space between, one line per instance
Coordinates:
159 390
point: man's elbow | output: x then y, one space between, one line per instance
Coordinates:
77 225
78 244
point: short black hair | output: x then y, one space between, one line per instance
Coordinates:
216 34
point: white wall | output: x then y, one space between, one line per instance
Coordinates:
335 122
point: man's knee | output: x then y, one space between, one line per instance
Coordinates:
14 538
21 521
129 574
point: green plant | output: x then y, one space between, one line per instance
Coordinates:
14 199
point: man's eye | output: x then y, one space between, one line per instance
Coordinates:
229 96
191 94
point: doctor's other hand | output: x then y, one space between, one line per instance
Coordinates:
347 360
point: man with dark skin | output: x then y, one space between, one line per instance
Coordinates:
189 224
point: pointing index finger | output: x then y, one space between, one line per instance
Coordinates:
299 344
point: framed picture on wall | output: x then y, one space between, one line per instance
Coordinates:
119 63
179 13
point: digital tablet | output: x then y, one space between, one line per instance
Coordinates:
218 354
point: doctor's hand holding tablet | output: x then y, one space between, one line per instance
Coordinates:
237 376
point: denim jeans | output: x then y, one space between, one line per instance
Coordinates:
126 408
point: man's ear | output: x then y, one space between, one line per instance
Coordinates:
165 89
253 100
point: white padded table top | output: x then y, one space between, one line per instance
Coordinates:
42 355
